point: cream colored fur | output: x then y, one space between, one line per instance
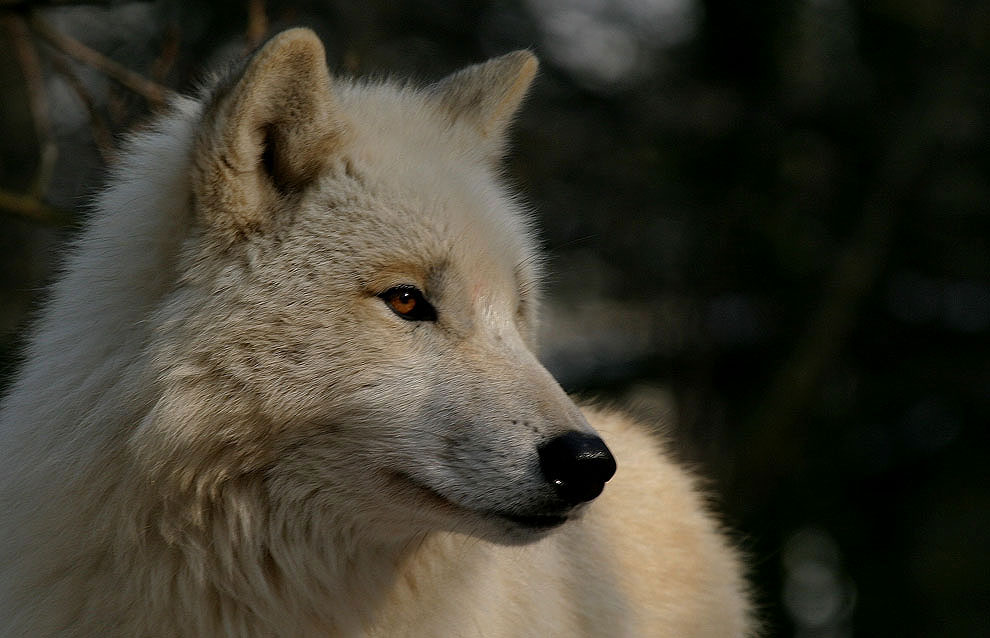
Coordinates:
222 430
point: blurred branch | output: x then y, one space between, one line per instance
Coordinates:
855 271
97 125
852 278
20 4
170 51
151 91
257 25
34 86
27 4
32 208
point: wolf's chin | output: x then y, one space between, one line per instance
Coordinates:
533 521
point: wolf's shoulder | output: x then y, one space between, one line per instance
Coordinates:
676 566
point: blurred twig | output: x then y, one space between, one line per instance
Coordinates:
34 86
151 91
852 277
257 25
170 51
30 205
21 4
855 272
32 208
97 123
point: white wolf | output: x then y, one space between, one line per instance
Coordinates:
286 387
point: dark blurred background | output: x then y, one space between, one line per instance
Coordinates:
768 228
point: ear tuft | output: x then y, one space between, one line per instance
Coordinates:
268 135
487 95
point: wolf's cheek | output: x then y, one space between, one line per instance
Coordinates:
475 437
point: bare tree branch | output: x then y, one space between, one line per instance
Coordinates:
152 92
34 86
32 208
163 64
855 272
97 123
21 4
257 26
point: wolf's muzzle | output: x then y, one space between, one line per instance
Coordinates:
577 465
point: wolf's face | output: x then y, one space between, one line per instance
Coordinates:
355 316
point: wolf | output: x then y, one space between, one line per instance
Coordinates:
286 386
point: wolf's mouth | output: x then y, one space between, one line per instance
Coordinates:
530 521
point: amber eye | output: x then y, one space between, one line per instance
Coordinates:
408 303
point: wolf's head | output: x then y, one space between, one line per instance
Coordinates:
352 330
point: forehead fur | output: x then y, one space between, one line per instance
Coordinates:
426 177
364 164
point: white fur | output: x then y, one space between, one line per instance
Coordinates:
220 429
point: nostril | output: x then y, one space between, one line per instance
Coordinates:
577 465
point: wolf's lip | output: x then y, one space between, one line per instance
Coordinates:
531 521
535 521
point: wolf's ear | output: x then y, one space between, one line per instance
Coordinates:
267 134
487 95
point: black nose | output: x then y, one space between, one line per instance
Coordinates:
577 464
